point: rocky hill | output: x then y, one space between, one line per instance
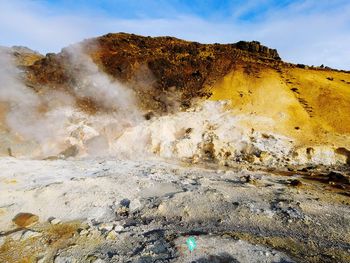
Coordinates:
173 64
305 105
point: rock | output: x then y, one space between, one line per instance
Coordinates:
30 234
94 222
123 209
112 235
25 219
295 183
118 228
54 221
160 247
249 179
130 222
125 202
84 232
265 157
106 227
256 47
71 151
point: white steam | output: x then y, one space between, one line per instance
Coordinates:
24 117
52 119
93 83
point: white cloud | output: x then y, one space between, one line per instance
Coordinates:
305 32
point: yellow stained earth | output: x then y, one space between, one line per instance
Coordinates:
308 105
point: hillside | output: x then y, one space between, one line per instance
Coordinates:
121 147
303 107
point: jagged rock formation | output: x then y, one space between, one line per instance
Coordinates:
256 48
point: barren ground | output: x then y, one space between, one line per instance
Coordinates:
143 211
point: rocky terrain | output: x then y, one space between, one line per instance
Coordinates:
119 148
143 211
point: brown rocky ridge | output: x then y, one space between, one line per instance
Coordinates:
175 65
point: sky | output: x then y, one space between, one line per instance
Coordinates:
311 32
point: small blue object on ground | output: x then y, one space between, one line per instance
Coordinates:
191 243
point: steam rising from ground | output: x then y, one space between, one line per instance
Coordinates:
92 83
52 119
24 104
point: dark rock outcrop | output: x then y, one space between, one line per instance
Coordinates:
256 48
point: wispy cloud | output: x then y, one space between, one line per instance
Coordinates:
303 31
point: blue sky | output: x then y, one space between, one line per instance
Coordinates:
312 32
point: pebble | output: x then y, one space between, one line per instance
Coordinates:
125 202
118 228
54 221
123 211
112 235
159 247
106 227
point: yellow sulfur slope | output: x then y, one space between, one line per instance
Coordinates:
310 106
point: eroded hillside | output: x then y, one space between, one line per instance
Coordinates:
301 108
